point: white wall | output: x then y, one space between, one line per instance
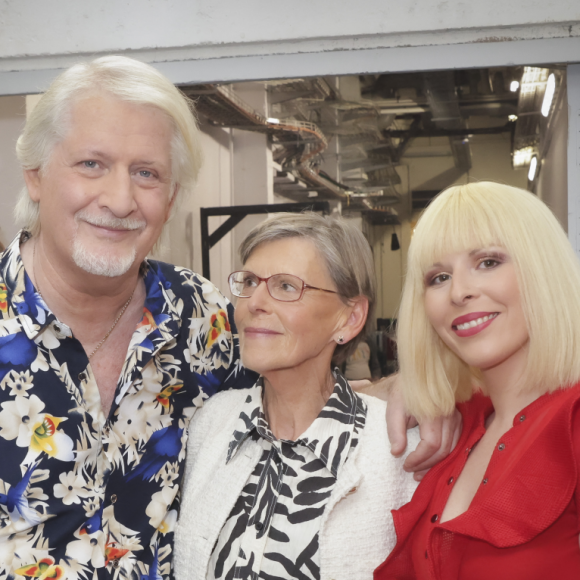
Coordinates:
195 40
573 97
172 30
12 117
214 188
253 179
552 182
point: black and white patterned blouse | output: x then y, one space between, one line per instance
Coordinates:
272 531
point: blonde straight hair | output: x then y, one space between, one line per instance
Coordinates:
479 215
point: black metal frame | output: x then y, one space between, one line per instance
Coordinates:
237 213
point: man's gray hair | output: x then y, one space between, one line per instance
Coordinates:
342 246
128 80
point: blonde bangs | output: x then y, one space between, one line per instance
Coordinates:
455 221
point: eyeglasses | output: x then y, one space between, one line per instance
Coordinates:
283 287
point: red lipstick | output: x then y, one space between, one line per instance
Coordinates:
469 329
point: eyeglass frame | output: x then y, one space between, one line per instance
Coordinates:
305 286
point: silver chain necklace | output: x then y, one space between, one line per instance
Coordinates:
125 306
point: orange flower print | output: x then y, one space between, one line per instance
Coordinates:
3 298
113 553
164 396
44 569
147 320
219 323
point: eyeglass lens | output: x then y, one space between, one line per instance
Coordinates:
284 287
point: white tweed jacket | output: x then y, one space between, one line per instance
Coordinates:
357 531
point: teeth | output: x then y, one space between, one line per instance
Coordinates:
475 323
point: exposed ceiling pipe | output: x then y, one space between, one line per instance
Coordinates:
444 104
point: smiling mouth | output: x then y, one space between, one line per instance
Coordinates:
112 227
110 223
474 323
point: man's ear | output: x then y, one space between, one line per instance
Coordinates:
172 201
32 180
359 309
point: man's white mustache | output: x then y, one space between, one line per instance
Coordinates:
112 222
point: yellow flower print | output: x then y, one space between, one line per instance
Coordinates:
45 437
219 323
3 298
168 523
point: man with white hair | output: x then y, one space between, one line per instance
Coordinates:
104 354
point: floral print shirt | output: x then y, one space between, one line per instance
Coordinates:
84 496
273 530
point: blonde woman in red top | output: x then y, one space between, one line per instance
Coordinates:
490 320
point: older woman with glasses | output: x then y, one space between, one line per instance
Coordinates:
293 478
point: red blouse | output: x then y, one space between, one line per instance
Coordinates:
523 521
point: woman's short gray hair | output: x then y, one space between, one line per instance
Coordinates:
345 251
128 80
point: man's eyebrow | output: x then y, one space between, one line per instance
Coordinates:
103 155
95 153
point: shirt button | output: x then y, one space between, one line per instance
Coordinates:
116 563
451 480
468 450
114 498
259 526
522 418
501 446
82 377
434 518
484 481
60 330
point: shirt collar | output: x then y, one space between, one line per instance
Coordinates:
330 437
22 297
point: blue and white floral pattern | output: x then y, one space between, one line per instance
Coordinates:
84 496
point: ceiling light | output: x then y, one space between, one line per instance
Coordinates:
523 157
549 95
513 118
273 121
533 167
514 86
533 78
